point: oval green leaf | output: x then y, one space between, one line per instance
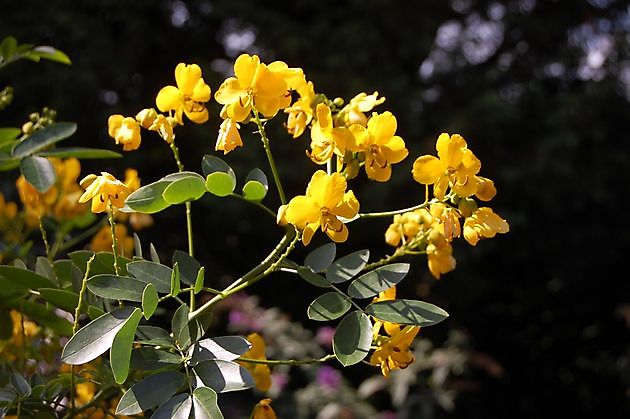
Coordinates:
96 337
65 300
411 312
188 267
352 339
378 280
205 404
116 287
150 392
189 188
348 266
321 258
39 172
220 184
147 358
223 376
80 153
148 199
120 353
152 272
329 306
150 300
178 407
43 138
22 279
313 278
227 348
256 186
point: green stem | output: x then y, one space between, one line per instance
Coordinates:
401 251
395 212
347 297
42 230
75 325
112 226
288 361
256 203
188 205
272 164
255 274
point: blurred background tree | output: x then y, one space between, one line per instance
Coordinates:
539 89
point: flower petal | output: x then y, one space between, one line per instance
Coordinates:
427 169
169 98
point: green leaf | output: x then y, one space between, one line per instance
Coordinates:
148 199
67 272
51 54
15 278
223 376
151 272
96 337
81 153
103 262
256 186
65 300
200 280
175 285
153 335
378 280
43 138
150 300
179 326
43 267
411 312
329 306
227 348
321 258
19 383
348 266
312 278
9 134
150 392
39 172
352 339
188 267
147 358
205 404
120 353
188 188
154 254
178 407
220 178
116 287
137 246
8 47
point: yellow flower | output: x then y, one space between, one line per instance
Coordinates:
229 138
260 372
394 352
125 130
440 258
138 221
455 165
102 190
483 223
188 97
325 200
301 112
8 210
446 220
485 189
146 117
326 140
253 85
407 225
354 111
263 410
381 147
102 240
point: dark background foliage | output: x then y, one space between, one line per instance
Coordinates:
539 89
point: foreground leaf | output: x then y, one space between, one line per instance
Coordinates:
150 392
352 339
116 287
205 404
378 280
348 266
223 376
120 353
411 312
43 138
176 408
329 306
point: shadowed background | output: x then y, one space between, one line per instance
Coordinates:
539 89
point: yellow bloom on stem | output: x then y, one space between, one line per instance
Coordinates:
440 258
394 352
407 225
253 85
229 138
188 97
326 199
263 410
125 130
455 165
354 111
301 112
446 220
483 223
485 189
102 190
381 146
326 140
260 372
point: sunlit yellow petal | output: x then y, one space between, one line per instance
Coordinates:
394 150
302 210
230 91
427 169
169 98
326 190
348 207
382 126
187 77
450 149
245 69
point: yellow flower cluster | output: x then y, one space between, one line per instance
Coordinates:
60 201
454 175
260 372
187 98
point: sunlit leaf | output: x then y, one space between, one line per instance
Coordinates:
352 339
411 312
329 306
